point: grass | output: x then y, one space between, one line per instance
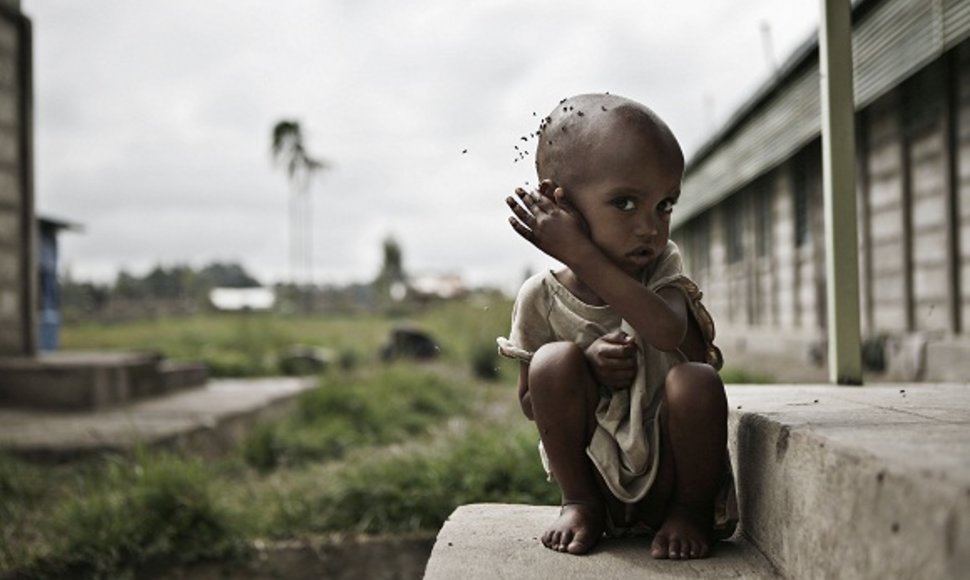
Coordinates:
249 344
741 376
418 490
345 412
369 451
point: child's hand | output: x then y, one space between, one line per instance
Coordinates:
547 220
613 361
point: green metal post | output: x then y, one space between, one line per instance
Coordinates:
838 176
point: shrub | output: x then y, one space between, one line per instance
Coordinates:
345 412
734 375
157 510
419 491
484 359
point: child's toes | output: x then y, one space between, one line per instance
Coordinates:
555 544
581 543
565 540
547 538
659 549
675 550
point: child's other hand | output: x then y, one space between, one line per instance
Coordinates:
612 359
547 220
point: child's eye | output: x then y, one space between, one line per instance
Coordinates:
666 206
625 204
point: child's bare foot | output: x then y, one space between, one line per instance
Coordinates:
684 535
578 528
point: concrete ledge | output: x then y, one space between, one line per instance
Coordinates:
855 482
207 421
487 541
833 482
78 381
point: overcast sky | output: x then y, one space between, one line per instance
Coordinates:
153 118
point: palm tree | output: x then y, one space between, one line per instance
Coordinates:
289 150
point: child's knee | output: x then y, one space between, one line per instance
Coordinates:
695 386
557 366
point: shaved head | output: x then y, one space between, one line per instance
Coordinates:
575 132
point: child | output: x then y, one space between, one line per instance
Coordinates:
618 367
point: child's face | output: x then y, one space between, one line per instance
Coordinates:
626 190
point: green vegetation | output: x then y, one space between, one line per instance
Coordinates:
375 448
417 491
347 412
249 344
741 376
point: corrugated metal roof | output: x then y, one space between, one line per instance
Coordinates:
892 39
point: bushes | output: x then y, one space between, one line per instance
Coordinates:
158 509
418 491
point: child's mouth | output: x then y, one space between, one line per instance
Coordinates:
642 256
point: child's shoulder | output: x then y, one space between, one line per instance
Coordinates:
535 286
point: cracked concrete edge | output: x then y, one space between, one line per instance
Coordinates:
821 508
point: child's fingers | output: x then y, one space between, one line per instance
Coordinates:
520 228
524 215
618 351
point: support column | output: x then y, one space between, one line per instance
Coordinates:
838 176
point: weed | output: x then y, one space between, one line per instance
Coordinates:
418 491
157 509
734 375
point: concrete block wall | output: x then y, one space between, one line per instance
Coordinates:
914 231
962 174
16 210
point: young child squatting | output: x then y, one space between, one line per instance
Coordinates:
618 366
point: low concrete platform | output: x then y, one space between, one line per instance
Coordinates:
833 482
487 541
207 420
78 380
855 482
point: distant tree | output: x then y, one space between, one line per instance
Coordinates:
290 151
128 286
226 275
392 270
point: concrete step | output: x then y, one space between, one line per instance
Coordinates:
487 541
833 482
72 381
206 421
179 375
855 482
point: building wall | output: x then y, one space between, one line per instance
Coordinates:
913 176
16 209
961 152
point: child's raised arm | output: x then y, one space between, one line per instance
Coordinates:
554 226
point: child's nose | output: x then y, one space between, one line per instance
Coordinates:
646 226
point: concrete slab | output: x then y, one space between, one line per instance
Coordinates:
855 482
80 380
488 541
207 420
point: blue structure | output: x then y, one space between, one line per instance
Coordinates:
49 300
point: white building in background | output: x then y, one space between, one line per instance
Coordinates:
235 299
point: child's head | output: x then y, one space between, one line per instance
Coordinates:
621 167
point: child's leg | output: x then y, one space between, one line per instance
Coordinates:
694 425
564 397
